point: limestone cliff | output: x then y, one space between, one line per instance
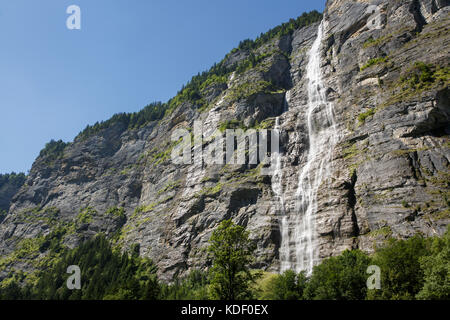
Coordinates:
385 73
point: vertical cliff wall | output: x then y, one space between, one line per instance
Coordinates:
381 84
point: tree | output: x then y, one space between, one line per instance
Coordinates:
11 292
106 274
340 278
16 179
286 286
232 252
436 268
401 274
193 287
53 150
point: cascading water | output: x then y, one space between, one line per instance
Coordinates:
277 187
299 241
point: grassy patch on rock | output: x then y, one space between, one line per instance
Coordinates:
419 78
373 62
363 116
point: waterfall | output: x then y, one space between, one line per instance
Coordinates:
298 249
277 188
277 178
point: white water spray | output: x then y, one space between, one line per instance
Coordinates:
277 188
298 249
277 178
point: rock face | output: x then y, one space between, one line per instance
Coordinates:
386 72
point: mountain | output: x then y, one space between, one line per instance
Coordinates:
360 99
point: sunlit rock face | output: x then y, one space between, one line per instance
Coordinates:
364 152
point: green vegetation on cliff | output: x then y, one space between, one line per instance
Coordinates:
418 78
373 62
422 76
284 29
363 116
53 150
152 112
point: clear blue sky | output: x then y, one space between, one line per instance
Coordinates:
55 81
